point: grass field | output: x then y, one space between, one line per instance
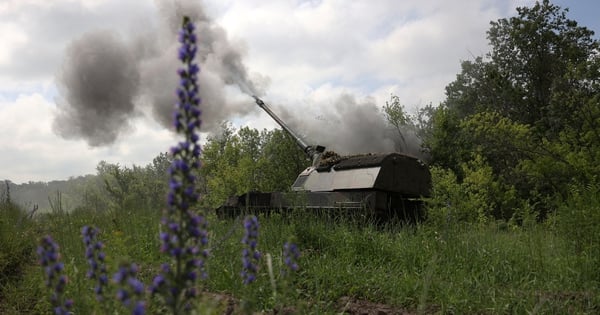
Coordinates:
345 265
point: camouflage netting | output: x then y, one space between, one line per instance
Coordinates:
329 158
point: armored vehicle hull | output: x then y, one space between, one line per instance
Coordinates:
380 186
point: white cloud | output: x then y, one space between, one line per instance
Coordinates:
362 45
12 36
31 151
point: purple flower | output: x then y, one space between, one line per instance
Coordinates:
291 254
131 290
139 308
95 258
250 255
184 235
49 259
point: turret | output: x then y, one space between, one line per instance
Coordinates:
312 151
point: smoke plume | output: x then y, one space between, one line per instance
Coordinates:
349 126
107 80
98 100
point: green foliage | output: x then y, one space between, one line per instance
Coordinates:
410 129
113 187
446 144
500 140
43 195
451 266
221 160
238 161
281 161
423 122
16 243
578 218
125 189
534 51
396 116
532 56
479 198
530 108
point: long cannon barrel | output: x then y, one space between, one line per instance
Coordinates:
312 151
283 125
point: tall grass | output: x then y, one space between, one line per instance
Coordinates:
455 269
17 244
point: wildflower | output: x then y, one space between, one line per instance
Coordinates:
185 234
290 258
250 255
95 258
49 258
130 288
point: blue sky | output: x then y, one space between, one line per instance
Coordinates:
304 54
585 12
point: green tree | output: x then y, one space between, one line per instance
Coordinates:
536 57
530 107
396 116
133 188
536 52
281 161
411 129
239 161
116 182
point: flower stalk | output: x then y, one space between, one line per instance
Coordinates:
49 258
131 291
96 260
291 254
184 238
250 254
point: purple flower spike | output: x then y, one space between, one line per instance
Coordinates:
49 260
291 254
184 234
131 290
95 258
250 255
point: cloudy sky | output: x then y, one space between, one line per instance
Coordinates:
88 80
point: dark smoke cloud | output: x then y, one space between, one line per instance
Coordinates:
349 126
98 87
106 80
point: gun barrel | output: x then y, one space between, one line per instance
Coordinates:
283 125
312 151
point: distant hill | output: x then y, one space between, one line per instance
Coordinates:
66 194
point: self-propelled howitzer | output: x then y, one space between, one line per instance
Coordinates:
382 185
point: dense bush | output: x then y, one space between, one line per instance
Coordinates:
480 197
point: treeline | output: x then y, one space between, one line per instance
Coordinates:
233 162
113 187
43 196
